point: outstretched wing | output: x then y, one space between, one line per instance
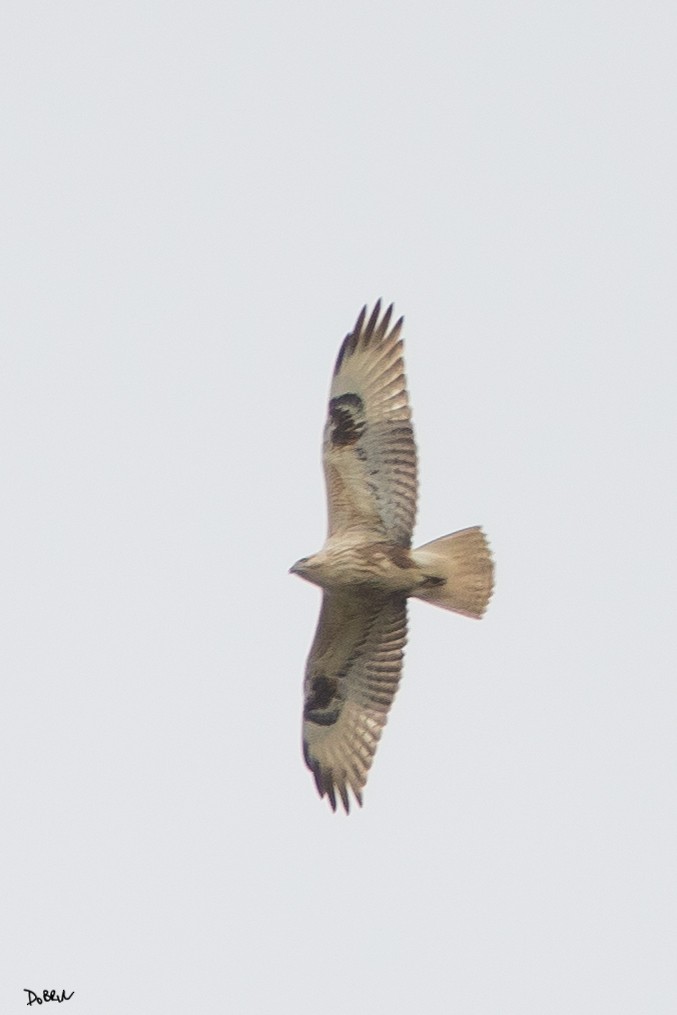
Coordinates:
352 675
369 451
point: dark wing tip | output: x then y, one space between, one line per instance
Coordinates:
326 787
371 323
331 793
350 341
373 330
345 799
382 329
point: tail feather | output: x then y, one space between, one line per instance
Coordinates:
458 572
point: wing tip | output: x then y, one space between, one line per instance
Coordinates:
327 785
343 788
374 330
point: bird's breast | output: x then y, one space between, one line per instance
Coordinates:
379 565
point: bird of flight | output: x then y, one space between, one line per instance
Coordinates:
366 568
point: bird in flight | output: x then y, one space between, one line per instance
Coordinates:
366 568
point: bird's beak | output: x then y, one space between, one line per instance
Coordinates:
300 567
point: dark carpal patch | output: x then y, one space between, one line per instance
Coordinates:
326 718
322 706
322 692
347 422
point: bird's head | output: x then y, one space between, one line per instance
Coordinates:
306 568
300 567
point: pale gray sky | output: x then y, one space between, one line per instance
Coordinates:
196 201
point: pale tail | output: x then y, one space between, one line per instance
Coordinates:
460 570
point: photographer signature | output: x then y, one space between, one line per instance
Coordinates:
47 995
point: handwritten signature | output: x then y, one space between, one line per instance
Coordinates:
47 995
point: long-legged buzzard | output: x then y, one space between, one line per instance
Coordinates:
366 567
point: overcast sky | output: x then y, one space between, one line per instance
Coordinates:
197 198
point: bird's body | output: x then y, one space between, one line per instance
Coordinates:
366 567
354 563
